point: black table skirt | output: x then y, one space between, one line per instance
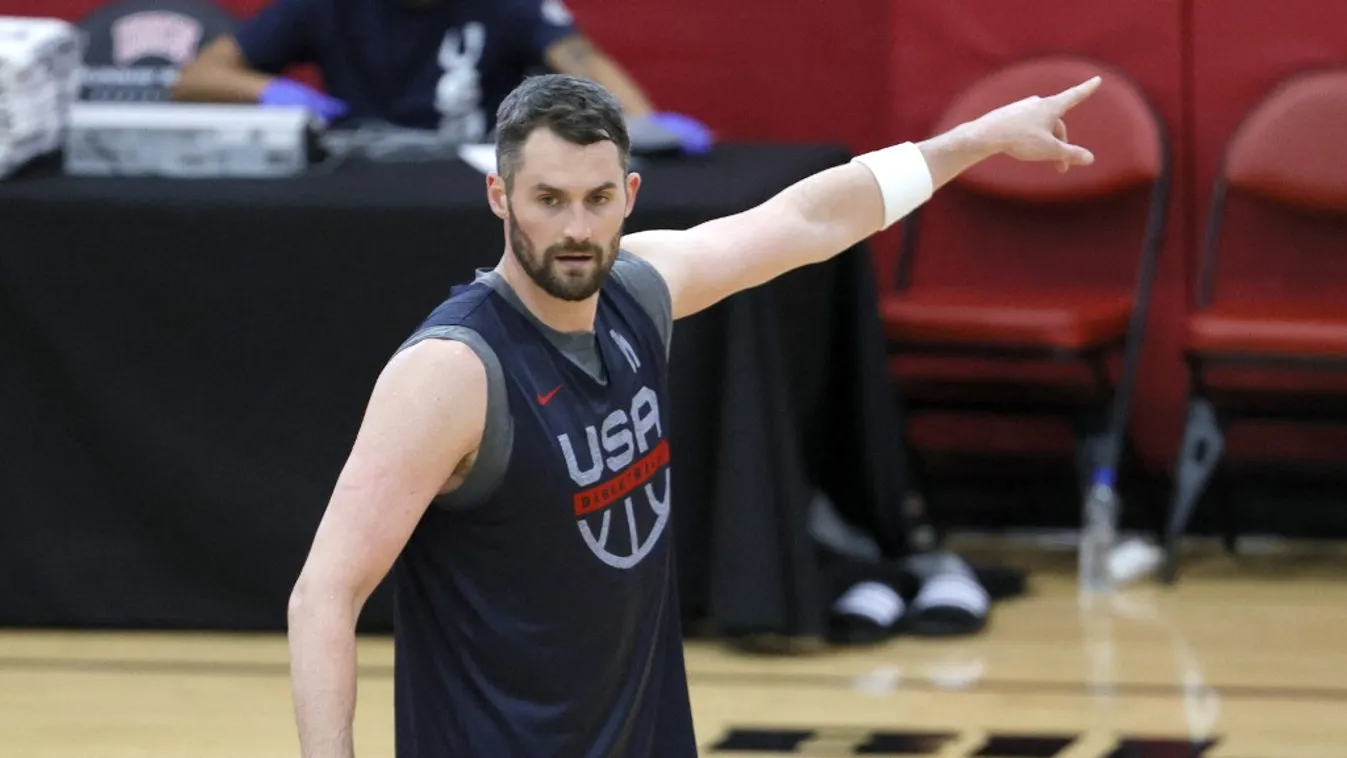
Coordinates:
185 365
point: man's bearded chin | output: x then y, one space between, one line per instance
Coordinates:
544 272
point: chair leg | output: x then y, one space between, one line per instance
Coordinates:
1199 455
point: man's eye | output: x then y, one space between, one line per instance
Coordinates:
599 199
547 200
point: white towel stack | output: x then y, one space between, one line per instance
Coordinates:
40 62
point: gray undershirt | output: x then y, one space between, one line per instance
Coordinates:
493 455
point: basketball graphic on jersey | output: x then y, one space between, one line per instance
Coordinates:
458 93
621 466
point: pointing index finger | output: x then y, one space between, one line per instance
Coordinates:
1070 98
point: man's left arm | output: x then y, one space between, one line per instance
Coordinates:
558 43
831 211
576 55
551 37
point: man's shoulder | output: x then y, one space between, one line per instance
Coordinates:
368 19
639 278
438 360
464 302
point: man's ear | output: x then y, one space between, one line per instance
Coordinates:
496 195
633 186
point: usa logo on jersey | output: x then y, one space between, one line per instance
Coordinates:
621 466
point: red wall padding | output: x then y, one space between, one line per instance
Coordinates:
757 69
66 9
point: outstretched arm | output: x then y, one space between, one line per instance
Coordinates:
819 217
425 415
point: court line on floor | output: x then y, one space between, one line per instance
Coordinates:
817 680
1025 687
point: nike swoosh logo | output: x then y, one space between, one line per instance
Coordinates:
545 399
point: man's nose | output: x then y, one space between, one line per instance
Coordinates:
577 224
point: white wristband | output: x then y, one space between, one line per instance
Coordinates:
904 179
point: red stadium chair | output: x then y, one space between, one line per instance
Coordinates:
1288 157
1018 303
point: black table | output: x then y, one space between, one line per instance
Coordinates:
185 364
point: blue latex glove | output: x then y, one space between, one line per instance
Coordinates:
693 136
282 91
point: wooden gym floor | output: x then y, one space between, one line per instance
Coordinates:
1249 655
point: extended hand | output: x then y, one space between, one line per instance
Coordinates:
1033 129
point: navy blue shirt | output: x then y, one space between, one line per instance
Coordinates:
445 67
543 619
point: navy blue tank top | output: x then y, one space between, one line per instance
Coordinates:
544 620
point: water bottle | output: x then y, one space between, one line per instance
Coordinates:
1099 526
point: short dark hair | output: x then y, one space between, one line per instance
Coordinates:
575 109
